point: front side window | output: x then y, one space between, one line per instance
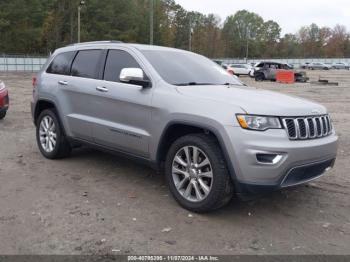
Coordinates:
116 61
186 68
61 64
85 63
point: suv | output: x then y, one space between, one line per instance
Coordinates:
183 114
268 70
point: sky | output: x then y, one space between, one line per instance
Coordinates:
289 14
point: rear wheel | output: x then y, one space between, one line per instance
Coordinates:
51 140
196 173
2 114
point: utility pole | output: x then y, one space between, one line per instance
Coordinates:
81 3
247 46
151 22
190 36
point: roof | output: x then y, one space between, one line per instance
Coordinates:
114 43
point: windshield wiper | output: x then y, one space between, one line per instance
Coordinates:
194 84
232 84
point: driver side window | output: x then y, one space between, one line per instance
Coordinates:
116 61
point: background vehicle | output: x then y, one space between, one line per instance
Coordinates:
341 65
319 66
268 70
240 69
228 69
211 135
4 100
305 65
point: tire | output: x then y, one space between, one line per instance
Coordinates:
221 187
259 77
61 148
2 114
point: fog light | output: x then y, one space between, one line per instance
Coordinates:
268 158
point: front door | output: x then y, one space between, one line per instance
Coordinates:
123 111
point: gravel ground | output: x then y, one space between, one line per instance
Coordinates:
96 203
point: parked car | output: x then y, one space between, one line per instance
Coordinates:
305 65
319 66
240 69
211 136
4 100
228 69
341 65
268 70
267 64
290 66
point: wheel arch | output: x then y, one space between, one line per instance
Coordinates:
181 128
43 104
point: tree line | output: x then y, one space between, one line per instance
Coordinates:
41 26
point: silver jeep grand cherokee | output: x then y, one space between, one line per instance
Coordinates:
181 113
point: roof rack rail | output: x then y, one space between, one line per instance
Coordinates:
97 42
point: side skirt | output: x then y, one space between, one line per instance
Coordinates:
120 153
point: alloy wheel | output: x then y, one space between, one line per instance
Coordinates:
192 173
47 134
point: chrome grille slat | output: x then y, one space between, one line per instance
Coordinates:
329 125
301 128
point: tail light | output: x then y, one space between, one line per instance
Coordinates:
34 81
231 72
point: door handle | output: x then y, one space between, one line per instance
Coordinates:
63 83
102 89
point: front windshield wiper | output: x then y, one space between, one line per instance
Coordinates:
193 84
207 84
232 84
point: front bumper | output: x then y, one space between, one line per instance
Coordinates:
298 162
4 100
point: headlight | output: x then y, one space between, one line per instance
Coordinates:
260 123
2 85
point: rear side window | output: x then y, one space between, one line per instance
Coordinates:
85 63
116 61
61 64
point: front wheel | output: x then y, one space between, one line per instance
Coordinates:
196 173
259 77
50 137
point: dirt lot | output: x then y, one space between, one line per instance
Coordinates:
96 203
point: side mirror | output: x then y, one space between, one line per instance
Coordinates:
134 76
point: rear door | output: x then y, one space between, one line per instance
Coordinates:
78 92
54 85
123 111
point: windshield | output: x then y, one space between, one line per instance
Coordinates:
185 68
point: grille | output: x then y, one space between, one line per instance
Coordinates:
299 128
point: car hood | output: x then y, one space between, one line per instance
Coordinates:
255 101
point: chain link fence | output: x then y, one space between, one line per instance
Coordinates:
21 63
32 63
293 61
